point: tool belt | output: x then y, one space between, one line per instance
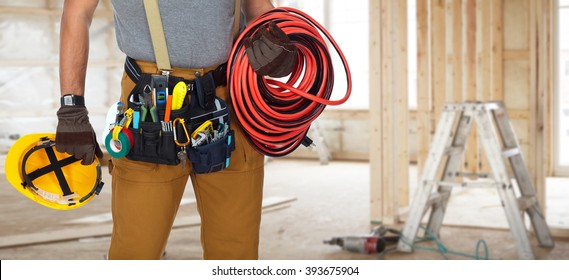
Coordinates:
199 130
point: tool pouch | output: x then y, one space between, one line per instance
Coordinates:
212 155
151 142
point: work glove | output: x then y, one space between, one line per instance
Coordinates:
75 135
270 51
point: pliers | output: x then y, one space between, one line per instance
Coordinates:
148 103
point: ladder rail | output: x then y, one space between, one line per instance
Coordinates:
521 173
451 169
423 192
489 139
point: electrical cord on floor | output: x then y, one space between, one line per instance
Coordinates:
442 249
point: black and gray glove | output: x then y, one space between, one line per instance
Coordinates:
270 51
75 135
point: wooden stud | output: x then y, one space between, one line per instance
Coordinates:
401 143
423 83
539 98
449 52
532 98
375 146
389 201
438 64
543 91
485 68
470 82
486 53
497 26
457 51
388 109
550 79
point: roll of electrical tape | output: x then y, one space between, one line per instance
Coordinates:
129 135
118 148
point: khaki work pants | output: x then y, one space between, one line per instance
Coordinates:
146 196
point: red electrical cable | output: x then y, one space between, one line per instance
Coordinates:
276 115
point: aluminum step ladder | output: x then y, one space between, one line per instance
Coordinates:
501 147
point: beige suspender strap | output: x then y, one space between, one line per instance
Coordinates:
157 35
236 19
159 39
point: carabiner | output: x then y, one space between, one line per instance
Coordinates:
183 123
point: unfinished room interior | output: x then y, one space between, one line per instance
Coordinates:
454 142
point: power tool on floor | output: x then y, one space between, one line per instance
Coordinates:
374 242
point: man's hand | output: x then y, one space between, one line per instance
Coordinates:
75 134
270 51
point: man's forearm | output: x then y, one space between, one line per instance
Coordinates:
74 45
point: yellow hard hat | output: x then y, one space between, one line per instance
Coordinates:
53 179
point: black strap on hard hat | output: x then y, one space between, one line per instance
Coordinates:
46 169
55 166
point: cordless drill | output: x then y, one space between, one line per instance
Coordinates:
373 243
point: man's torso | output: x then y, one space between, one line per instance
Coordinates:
198 32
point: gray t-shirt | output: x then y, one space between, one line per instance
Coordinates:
198 32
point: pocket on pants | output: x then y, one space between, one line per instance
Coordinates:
245 157
132 170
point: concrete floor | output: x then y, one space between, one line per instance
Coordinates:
331 200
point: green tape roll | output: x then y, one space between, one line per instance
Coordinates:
117 148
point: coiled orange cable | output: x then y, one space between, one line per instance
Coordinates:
276 115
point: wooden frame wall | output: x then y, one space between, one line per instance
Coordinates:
467 50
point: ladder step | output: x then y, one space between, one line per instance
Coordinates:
491 106
526 202
470 174
449 151
507 153
467 184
